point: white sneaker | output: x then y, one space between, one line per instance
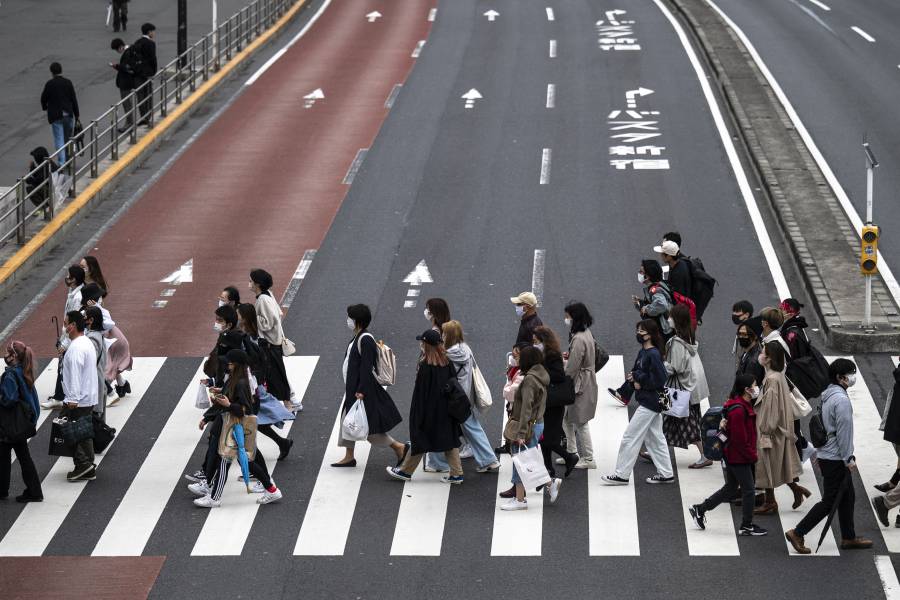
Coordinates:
513 504
554 489
50 404
430 469
584 464
257 488
560 461
207 502
466 451
269 497
491 468
200 488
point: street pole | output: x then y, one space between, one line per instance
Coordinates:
871 164
182 32
215 33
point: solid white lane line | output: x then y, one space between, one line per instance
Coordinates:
759 226
842 196
420 520
355 165
226 529
132 524
516 532
550 15
553 49
38 522
888 577
432 14
863 34
297 280
612 510
537 276
418 49
546 157
875 457
720 537
551 95
287 46
392 97
326 523
821 5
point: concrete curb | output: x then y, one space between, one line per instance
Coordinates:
821 236
18 265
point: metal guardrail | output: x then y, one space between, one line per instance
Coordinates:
102 138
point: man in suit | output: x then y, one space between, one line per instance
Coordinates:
126 74
58 99
120 14
145 47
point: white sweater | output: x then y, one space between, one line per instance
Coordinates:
268 319
80 372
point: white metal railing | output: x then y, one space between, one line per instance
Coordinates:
102 138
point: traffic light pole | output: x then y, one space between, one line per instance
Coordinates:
871 163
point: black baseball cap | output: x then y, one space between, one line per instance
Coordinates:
430 337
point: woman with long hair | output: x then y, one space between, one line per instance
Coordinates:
437 311
17 385
580 367
93 273
547 342
118 355
648 379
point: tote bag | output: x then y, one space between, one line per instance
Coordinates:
529 465
483 399
355 425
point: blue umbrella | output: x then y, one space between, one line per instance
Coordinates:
238 432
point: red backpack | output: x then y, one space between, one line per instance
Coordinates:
677 298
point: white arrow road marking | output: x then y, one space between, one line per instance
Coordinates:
611 16
545 166
553 49
470 97
419 275
372 16
310 98
491 15
631 96
551 95
863 34
184 274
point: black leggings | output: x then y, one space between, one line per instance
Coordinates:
29 472
270 433
553 434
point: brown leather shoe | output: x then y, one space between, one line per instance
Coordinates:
796 540
510 493
766 509
857 543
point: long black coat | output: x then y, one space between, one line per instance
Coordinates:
431 429
892 423
147 49
381 411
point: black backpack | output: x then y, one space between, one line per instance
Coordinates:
809 373
817 434
702 285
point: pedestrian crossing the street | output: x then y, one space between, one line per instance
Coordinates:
321 523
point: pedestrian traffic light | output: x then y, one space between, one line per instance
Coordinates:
868 261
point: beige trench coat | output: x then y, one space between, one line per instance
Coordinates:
778 461
580 367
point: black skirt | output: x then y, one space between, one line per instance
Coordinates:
275 374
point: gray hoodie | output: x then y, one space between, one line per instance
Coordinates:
463 360
837 416
683 361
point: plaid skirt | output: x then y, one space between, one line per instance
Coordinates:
681 433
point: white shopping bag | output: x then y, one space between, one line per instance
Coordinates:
202 402
355 425
61 184
482 390
680 401
529 465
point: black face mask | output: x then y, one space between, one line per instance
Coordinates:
640 339
736 319
744 342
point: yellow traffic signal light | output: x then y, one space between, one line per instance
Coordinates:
868 260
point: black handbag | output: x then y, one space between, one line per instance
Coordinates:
58 445
561 394
601 356
16 423
77 430
458 406
103 433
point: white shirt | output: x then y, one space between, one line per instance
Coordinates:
80 372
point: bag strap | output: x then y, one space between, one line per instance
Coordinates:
359 341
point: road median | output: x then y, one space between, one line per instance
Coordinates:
824 243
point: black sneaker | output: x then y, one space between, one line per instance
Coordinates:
881 510
504 449
197 476
752 529
657 478
613 480
698 515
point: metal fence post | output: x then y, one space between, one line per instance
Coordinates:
74 171
20 212
95 162
114 133
164 100
134 116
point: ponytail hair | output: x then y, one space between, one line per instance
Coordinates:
25 357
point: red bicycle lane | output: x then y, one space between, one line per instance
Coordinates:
258 188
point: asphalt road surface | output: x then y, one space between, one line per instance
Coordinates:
522 189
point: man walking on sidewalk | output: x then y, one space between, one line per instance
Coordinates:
836 462
58 99
80 387
145 47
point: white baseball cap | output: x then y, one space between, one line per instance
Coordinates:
667 247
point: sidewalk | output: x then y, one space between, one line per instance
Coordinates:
75 35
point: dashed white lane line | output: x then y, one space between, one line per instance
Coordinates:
545 166
432 14
537 276
551 95
888 577
392 97
863 34
820 5
550 15
355 165
418 49
553 49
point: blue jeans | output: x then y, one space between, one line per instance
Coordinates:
514 448
62 131
477 438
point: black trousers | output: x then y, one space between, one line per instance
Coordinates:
553 434
276 374
270 433
29 472
735 476
119 14
836 476
84 450
144 99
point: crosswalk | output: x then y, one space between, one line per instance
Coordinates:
323 525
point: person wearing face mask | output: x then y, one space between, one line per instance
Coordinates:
17 386
94 319
118 355
748 335
648 379
526 310
360 384
271 336
546 341
779 463
74 280
679 279
580 367
836 462
437 312
741 311
739 455
80 387
657 300
93 273
230 296
772 319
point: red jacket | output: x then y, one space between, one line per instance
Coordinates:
741 431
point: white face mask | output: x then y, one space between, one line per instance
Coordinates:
520 311
851 380
568 322
221 302
641 278
427 314
539 346
351 324
754 392
218 326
